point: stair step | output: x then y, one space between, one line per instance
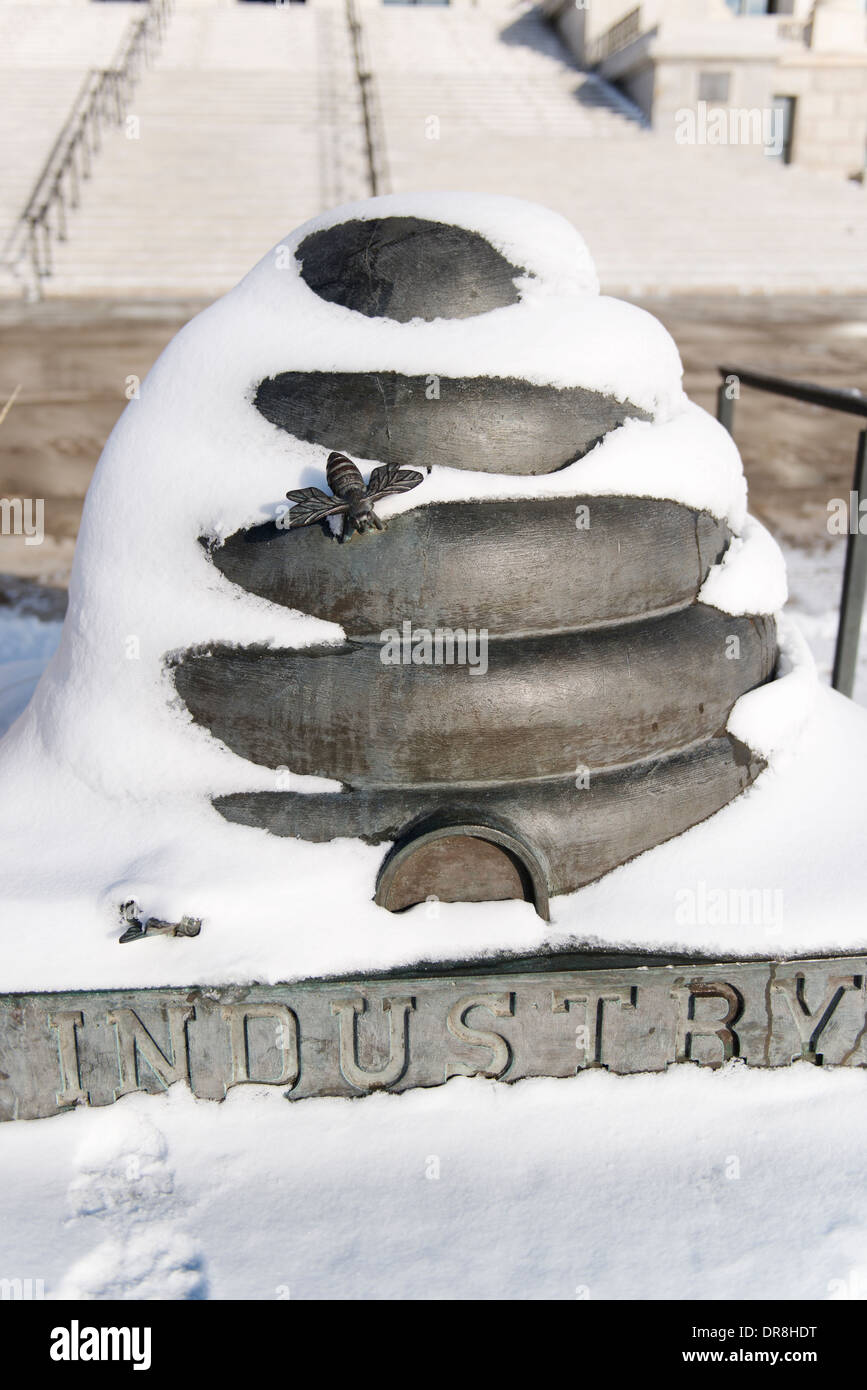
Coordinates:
251 112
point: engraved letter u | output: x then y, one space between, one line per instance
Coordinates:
398 1010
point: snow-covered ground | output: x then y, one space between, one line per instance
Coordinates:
26 643
815 580
688 1185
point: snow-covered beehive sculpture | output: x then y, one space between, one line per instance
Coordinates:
219 740
574 511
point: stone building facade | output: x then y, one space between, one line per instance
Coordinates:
802 64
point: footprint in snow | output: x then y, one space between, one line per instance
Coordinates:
124 1191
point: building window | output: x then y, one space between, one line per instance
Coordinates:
784 113
762 6
713 86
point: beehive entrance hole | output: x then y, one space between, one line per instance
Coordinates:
462 863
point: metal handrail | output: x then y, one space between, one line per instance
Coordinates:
845 398
848 401
102 99
618 36
374 141
796 30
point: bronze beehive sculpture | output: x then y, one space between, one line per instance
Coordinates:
439 588
597 728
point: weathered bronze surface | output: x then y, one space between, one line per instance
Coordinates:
352 1037
487 424
544 706
535 565
456 866
407 267
577 832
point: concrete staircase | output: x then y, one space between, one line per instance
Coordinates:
45 52
516 116
249 123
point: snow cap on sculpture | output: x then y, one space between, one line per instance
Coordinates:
456 354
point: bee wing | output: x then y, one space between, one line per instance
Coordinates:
391 479
307 513
311 504
310 494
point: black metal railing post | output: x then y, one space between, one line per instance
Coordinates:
854 582
725 406
848 401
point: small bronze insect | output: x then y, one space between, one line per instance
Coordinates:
137 928
353 500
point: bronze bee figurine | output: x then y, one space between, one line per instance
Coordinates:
353 500
131 913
